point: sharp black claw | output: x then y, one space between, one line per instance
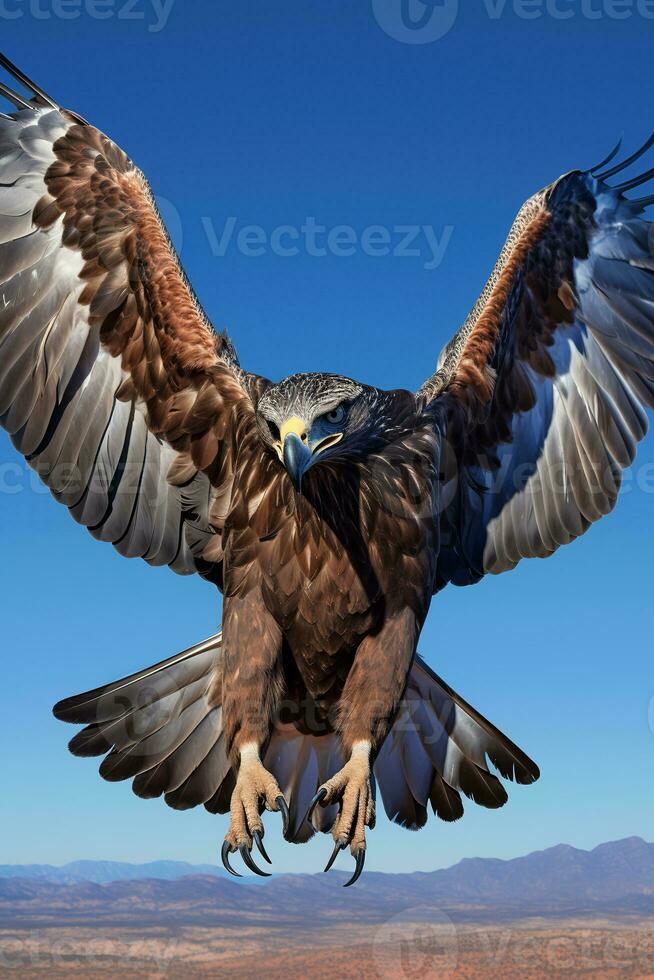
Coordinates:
286 817
262 851
338 847
361 860
247 860
318 798
224 854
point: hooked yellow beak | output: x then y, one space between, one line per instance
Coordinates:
293 449
296 450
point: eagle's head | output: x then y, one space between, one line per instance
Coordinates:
310 418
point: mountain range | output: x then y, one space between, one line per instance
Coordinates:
102 872
613 879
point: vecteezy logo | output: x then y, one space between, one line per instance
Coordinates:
172 220
416 21
419 942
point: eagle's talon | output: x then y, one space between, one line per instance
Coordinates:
338 847
244 851
226 850
257 835
255 789
361 860
282 805
353 788
318 798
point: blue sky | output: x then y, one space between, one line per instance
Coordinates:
272 114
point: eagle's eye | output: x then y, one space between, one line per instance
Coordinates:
273 428
336 415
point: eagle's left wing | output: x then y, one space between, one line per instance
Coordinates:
544 386
113 384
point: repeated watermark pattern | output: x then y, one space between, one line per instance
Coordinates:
317 240
40 949
17 477
572 951
310 237
416 21
424 942
426 21
152 14
419 942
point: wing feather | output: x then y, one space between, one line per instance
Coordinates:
109 368
547 382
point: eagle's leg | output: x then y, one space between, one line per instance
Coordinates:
368 704
251 686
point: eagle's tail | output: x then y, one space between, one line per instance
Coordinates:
158 728
440 747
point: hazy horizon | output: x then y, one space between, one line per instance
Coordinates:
252 879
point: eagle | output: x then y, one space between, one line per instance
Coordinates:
328 512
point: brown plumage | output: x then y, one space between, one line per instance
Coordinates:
327 511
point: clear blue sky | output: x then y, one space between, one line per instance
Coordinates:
273 113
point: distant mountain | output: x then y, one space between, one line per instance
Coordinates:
102 872
614 879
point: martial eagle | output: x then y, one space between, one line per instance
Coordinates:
327 512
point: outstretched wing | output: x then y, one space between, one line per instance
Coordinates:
113 384
545 384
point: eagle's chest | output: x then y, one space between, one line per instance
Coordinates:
331 564
326 598
310 559
320 585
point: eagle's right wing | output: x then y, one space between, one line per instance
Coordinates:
113 384
545 385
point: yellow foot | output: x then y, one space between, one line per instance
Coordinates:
255 790
351 787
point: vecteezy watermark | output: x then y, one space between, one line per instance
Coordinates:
425 21
568 9
570 952
172 220
416 21
40 949
419 942
154 14
318 240
17 477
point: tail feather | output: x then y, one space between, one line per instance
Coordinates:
159 728
204 781
156 717
445 801
168 677
438 748
300 764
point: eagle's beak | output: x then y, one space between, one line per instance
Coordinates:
293 449
297 459
297 451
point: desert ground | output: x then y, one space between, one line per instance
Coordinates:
399 948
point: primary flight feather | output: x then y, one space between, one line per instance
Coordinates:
328 512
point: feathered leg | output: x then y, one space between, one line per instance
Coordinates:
367 708
251 686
